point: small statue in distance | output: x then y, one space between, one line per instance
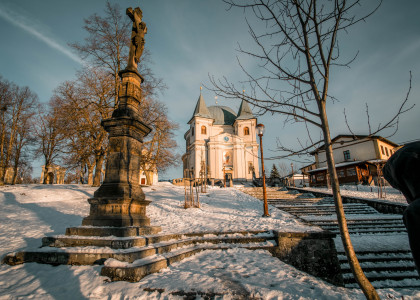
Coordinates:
137 37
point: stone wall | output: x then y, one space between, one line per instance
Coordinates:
311 252
381 206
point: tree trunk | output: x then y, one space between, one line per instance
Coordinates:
82 174
100 155
357 271
44 179
90 173
149 177
15 170
15 167
7 159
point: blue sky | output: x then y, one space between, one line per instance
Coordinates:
190 39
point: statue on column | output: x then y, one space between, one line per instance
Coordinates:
137 37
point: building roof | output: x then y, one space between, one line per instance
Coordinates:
245 112
349 163
355 137
201 109
222 115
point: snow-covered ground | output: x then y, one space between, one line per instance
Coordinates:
367 192
29 212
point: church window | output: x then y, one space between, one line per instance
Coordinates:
203 130
246 131
192 131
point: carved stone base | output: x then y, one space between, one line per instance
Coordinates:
112 231
117 212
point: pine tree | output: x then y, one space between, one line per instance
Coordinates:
274 172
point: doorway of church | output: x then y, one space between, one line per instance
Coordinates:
229 179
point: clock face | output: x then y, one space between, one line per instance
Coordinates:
226 138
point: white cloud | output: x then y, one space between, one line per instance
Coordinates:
23 23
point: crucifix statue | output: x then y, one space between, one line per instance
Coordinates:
137 37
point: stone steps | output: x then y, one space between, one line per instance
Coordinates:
385 268
159 251
157 244
390 269
122 242
135 271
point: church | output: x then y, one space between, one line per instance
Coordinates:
221 144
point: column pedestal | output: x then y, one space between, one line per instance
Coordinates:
120 201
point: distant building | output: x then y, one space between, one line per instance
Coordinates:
152 173
297 180
154 177
221 143
358 159
55 174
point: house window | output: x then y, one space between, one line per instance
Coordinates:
246 131
346 155
382 149
386 150
320 177
203 130
340 173
351 172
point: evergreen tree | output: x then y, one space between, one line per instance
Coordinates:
274 172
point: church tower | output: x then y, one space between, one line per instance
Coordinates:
245 124
196 136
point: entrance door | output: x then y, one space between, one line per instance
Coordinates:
228 178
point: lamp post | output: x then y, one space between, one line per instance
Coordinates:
293 175
260 132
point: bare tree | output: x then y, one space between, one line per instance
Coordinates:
24 142
96 91
106 46
18 108
5 103
51 134
158 151
297 50
284 169
83 104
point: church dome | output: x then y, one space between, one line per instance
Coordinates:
222 115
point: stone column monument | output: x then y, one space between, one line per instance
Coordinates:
120 202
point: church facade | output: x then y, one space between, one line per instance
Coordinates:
221 144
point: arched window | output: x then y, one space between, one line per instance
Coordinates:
203 130
246 131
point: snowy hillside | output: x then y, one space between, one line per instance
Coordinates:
29 212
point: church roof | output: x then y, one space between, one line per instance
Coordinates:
222 115
245 112
201 109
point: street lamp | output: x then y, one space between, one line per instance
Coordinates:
293 175
260 132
